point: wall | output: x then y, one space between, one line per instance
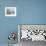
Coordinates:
33 11
28 12
7 24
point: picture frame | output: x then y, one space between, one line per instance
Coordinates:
10 11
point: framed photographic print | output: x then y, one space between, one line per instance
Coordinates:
10 11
